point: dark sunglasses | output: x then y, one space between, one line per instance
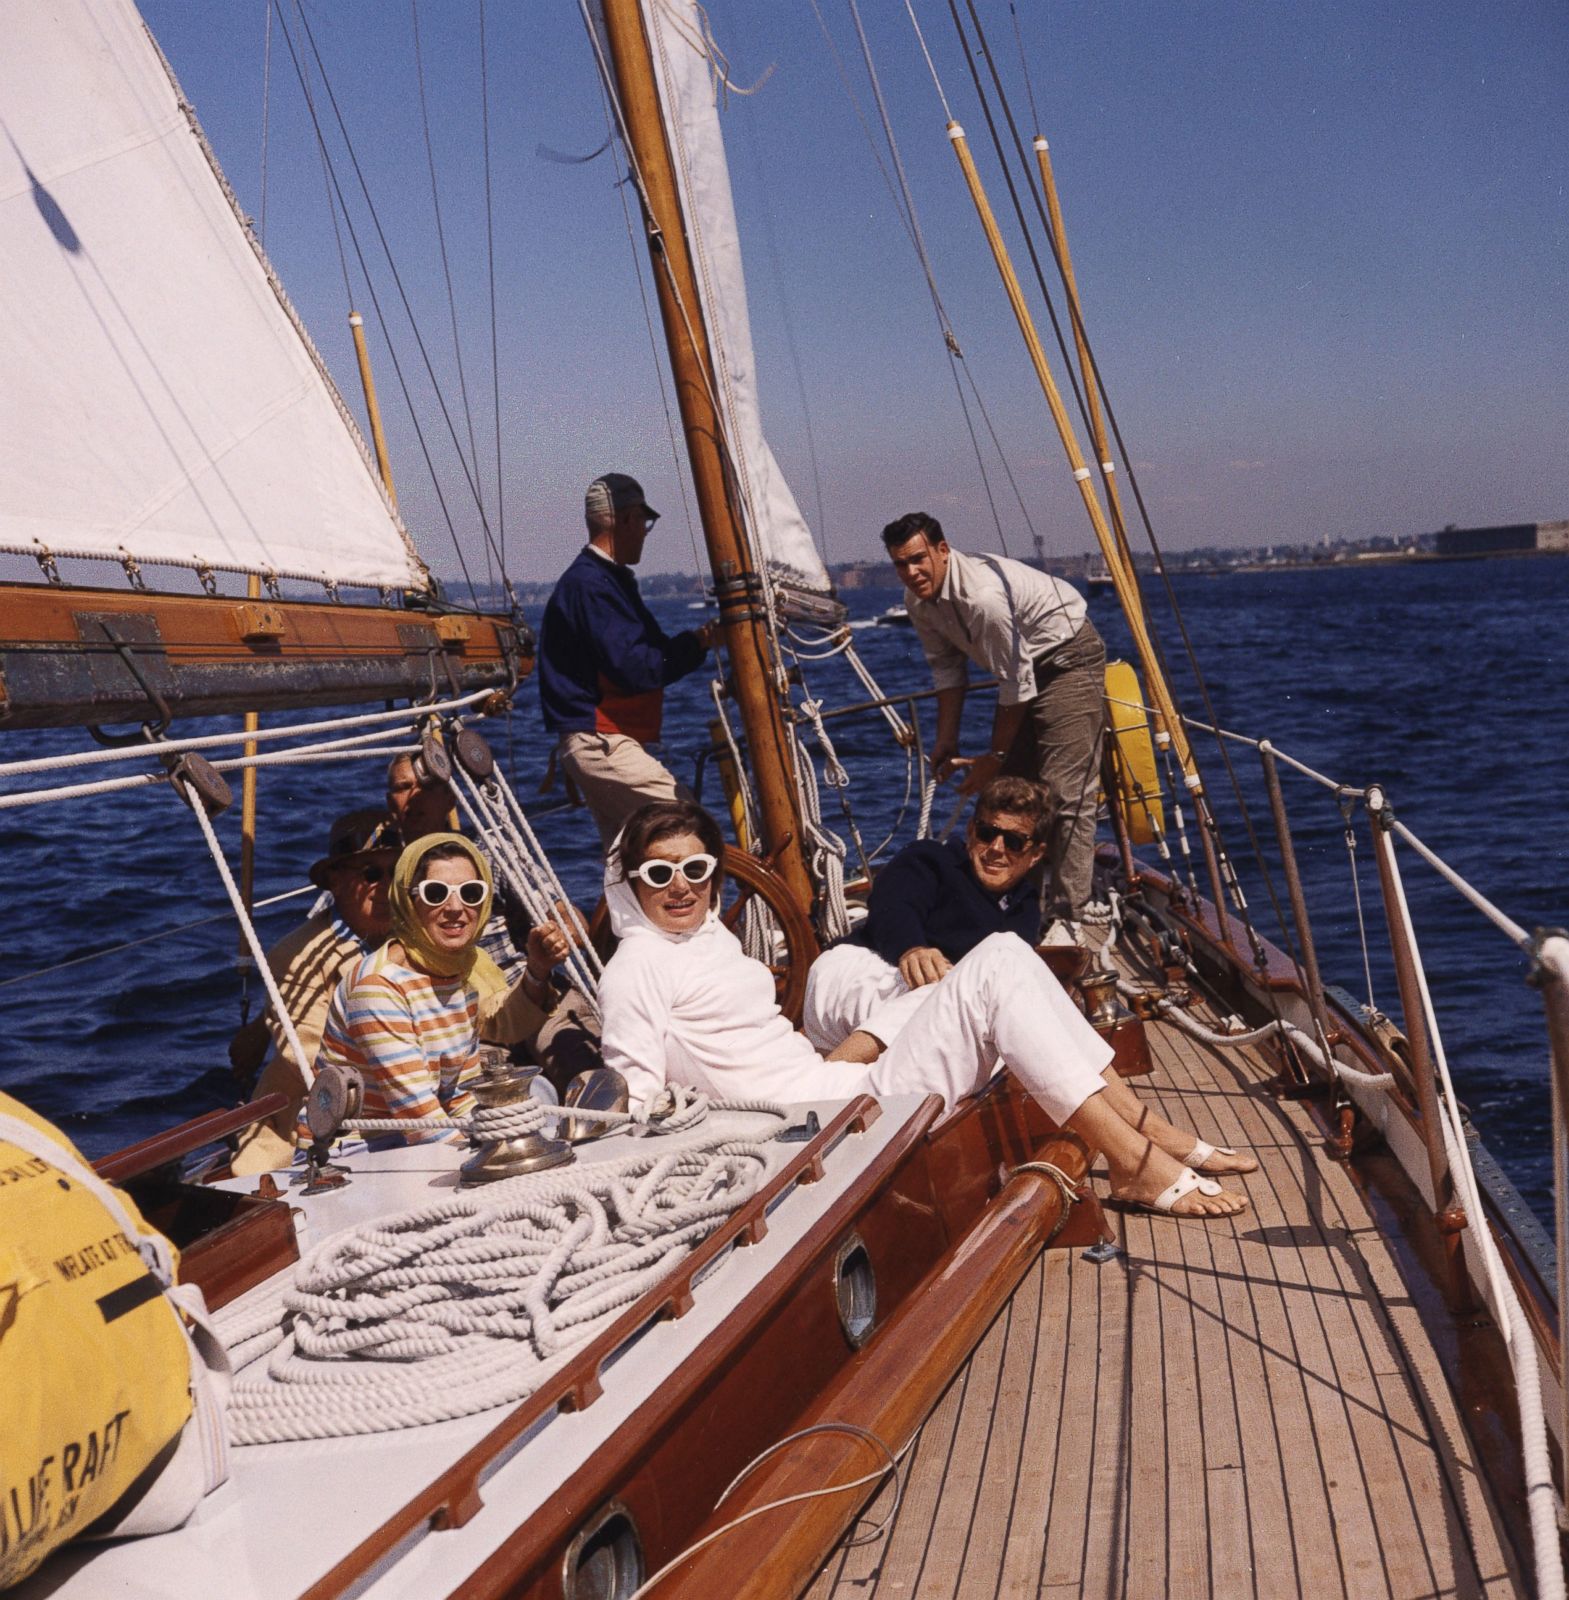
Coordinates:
370 873
986 832
436 891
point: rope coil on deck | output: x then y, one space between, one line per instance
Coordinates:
475 1301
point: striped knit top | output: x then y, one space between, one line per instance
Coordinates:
414 1039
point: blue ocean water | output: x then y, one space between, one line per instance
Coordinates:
1442 682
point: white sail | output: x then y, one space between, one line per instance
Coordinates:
677 32
160 400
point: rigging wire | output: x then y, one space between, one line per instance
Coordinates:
490 271
1206 817
397 277
648 322
446 269
1024 65
152 938
326 183
788 321
261 229
392 350
905 200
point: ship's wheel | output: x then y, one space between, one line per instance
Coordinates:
745 877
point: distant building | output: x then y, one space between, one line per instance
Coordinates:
1515 538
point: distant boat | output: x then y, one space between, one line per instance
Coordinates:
1097 579
894 617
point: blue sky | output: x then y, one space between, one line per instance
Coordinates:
1324 252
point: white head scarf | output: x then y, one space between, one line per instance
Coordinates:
627 917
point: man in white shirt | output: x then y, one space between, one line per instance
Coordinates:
1031 632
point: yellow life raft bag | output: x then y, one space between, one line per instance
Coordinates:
112 1383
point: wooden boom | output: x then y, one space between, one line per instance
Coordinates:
73 656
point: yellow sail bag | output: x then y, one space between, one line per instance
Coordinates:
97 1369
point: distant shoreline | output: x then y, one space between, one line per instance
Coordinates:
670 585
1371 558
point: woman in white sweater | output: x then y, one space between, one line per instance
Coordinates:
683 1003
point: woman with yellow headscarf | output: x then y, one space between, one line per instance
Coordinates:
407 1017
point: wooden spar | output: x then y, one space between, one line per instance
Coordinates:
752 668
372 405
1121 576
72 656
1082 345
248 805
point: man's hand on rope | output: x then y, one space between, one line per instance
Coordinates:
548 947
945 759
982 769
923 965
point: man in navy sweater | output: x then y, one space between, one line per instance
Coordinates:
930 906
604 662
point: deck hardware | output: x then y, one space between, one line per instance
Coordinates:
802 1131
257 623
195 774
855 1290
605 1559
598 1089
432 764
1102 1251
500 1083
156 726
1100 999
452 631
473 754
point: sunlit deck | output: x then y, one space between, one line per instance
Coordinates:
1228 1408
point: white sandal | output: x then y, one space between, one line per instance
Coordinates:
1185 1183
1202 1152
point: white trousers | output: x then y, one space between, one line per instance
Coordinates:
846 985
999 1004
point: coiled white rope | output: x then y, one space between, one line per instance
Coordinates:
476 1300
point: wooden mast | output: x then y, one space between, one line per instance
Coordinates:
737 586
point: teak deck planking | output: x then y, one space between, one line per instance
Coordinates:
1234 1408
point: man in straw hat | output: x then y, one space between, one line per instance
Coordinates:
307 965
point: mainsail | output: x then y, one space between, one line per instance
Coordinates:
175 411
688 91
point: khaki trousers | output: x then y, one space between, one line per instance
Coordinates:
615 775
1060 745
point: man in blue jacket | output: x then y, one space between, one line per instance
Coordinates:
604 662
930 906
